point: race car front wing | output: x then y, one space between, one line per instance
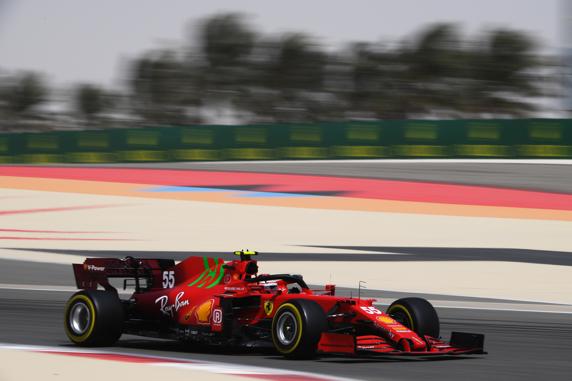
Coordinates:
369 345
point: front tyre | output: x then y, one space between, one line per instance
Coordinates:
417 314
93 318
297 327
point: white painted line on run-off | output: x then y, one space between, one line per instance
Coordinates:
264 373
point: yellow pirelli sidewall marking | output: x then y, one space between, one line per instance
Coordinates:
402 308
89 303
298 317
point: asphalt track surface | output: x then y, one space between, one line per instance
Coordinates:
400 254
521 345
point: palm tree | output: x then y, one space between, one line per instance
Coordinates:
434 70
226 39
226 42
505 75
294 72
28 91
159 88
90 102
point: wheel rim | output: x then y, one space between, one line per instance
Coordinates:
79 318
287 328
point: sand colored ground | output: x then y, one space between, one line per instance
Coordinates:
128 223
19 365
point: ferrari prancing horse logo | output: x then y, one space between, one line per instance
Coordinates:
268 307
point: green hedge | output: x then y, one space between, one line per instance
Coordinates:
530 138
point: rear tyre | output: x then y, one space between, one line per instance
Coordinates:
93 318
297 327
417 314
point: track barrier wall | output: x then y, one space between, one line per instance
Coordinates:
529 138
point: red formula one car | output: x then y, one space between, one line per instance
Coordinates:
205 300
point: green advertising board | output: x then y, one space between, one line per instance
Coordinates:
528 138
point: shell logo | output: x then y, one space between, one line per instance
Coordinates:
386 319
203 312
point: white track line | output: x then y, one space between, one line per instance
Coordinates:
398 161
192 364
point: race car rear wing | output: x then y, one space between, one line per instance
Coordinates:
94 272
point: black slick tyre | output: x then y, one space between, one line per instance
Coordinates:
417 314
297 327
93 318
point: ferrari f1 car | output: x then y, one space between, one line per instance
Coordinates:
205 300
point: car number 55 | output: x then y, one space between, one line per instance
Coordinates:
371 310
168 279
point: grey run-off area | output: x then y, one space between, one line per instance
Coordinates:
540 175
